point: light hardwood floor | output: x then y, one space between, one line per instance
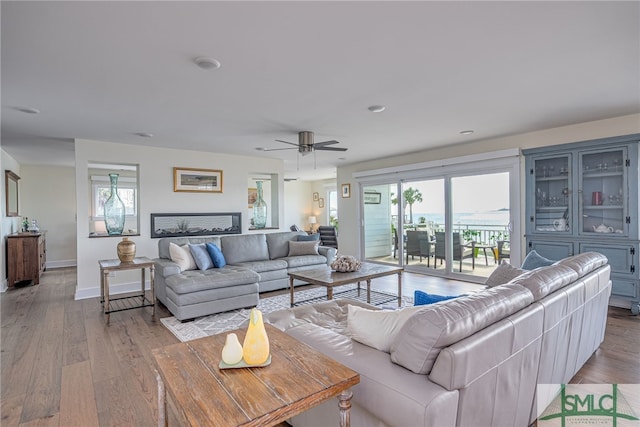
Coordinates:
61 365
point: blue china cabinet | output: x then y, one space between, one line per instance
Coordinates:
583 197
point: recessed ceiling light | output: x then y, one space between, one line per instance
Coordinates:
207 63
466 132
144 134
28 110
376 108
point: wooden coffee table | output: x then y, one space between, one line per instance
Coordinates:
297 379
329 278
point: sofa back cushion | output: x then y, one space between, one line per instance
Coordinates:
545 280
163 244
244 248
584 263
278 243
430 329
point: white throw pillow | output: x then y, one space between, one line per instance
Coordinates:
376 328
181 255
503 274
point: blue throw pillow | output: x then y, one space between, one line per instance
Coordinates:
201 256
423 298
534 260
216 255
308 238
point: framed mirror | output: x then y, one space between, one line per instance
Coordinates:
11 192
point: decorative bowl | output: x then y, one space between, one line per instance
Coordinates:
346 264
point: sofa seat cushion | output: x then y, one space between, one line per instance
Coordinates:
218 294
263 265
328 314
199 280
436 326
393 394
304 260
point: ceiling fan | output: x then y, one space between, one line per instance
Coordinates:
306 145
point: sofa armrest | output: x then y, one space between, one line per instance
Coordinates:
328 252
166 267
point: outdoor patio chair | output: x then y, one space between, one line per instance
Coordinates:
460 251
503 252
418 243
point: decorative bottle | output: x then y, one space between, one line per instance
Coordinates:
259 209
126 250
114 209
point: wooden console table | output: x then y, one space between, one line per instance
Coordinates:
297 379
131 301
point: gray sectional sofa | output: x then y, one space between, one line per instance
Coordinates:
255 263
470 361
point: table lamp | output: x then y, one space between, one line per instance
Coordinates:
312 221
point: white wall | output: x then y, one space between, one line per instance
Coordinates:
157 196
49 195
348 239
8 225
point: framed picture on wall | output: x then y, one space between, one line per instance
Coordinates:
346 190
197 180
321 203
316 196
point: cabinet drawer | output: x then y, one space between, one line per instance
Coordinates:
620 257
624 287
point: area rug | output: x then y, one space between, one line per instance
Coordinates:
222 322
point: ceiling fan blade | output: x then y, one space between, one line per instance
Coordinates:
286 142
323 143
276 149
330 148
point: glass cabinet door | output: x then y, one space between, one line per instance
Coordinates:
603 200
553 194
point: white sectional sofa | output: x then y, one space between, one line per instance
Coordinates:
470 361
255 263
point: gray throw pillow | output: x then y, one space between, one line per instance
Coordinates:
303 248
309 238
503 274
534 260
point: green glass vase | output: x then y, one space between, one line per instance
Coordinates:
114 212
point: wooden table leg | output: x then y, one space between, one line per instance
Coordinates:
143 279
107 306
152 280
368 291
400 288
162 402
358 288
102 287
329 293
291 289
344 403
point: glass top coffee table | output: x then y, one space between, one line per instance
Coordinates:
329 278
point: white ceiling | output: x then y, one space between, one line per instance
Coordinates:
106 70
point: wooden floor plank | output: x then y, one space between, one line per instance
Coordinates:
102 375
77 400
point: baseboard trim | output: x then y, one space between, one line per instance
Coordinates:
121 288
62 263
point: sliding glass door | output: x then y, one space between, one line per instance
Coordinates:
455 223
